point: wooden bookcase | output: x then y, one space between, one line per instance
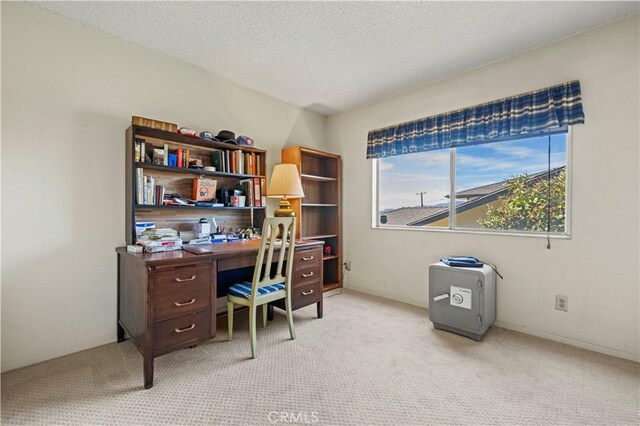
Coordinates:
320 211
180 180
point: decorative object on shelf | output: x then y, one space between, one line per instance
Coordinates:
227 136
328 250
188 132
196 163
202 228
154 124
204 189
245 141
208 136
285 183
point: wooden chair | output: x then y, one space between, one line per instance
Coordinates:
264 288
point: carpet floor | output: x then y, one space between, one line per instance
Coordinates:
368 361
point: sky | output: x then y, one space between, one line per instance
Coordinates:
404 176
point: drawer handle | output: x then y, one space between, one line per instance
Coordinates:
310 274
308 258
306 293
181 280
185 303
182 330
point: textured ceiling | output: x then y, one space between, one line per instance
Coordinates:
331 56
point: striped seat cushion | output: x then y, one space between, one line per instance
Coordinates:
244 289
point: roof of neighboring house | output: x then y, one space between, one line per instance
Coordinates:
499 189
405 215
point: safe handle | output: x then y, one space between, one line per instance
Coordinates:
441 297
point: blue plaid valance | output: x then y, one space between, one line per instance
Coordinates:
532 112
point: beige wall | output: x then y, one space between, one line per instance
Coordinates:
597 268
68 94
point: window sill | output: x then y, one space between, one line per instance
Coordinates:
472 231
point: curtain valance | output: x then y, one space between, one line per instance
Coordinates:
527 113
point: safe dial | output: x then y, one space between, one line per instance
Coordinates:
457 298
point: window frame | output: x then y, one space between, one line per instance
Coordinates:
567 234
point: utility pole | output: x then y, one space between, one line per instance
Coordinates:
421 194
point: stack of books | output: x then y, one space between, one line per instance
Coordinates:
159 240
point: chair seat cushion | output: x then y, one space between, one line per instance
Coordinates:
244 289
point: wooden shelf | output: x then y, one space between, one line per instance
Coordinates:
319 214
318 178
196 172
144 206
179 180
331 286
319 237
188 140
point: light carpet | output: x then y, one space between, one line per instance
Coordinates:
368 361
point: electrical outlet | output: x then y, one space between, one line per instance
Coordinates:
562 303
347 265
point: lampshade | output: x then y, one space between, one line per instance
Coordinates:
285 181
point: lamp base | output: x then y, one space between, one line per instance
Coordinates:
284 209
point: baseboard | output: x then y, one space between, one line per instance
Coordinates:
571 342
386 295
521 329
47 356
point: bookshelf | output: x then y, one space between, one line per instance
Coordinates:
179 180
320 211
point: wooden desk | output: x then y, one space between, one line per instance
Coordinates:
167 301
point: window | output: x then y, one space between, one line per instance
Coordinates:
500 186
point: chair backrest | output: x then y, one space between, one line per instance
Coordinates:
262 275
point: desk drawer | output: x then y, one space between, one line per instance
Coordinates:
306 294
304 259
189 298
185 330
180 279
305 276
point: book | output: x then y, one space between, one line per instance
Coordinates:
137 151
203 189
217 160
247 188
257 202
139 185
166 154
180 153
263 191
259 165
227 168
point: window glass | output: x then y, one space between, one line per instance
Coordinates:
505 186
499 186
412 187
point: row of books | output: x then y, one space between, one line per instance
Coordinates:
255 191
147 191
237 161
180 157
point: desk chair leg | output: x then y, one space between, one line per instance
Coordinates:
230 319
287 302
264 315
252 329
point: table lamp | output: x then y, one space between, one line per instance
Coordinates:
285 183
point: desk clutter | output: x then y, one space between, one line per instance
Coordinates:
152 240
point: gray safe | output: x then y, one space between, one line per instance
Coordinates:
462 300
